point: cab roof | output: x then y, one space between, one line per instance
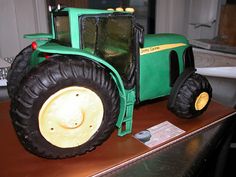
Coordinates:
82 11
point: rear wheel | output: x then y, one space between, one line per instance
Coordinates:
193 97
65 107
18 70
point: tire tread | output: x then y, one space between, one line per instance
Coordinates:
46 76
192 87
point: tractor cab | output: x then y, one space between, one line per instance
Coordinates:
110 35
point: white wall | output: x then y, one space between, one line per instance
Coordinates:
192 18
203 19
19 17
172 16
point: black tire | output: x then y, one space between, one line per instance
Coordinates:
45 80
187 94
18 70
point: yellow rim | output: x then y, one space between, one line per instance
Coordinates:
201 101
70 117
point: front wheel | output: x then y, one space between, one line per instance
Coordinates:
65 107
193 97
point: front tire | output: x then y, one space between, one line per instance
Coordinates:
65 107
193 97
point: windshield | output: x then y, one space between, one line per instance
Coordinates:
111 38
62 29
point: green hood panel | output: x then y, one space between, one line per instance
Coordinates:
155 63
159 39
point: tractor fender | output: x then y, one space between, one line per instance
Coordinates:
178 83
114 73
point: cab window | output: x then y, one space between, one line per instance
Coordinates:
110 38
62 28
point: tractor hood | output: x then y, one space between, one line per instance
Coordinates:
161 42
151 40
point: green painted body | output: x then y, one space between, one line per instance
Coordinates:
154 71
154 67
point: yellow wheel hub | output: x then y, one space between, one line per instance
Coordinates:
71 116
201 101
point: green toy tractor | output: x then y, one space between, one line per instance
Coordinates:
71 88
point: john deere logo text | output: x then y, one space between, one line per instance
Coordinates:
153 49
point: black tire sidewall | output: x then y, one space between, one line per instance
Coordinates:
18 70
36 139
201 85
